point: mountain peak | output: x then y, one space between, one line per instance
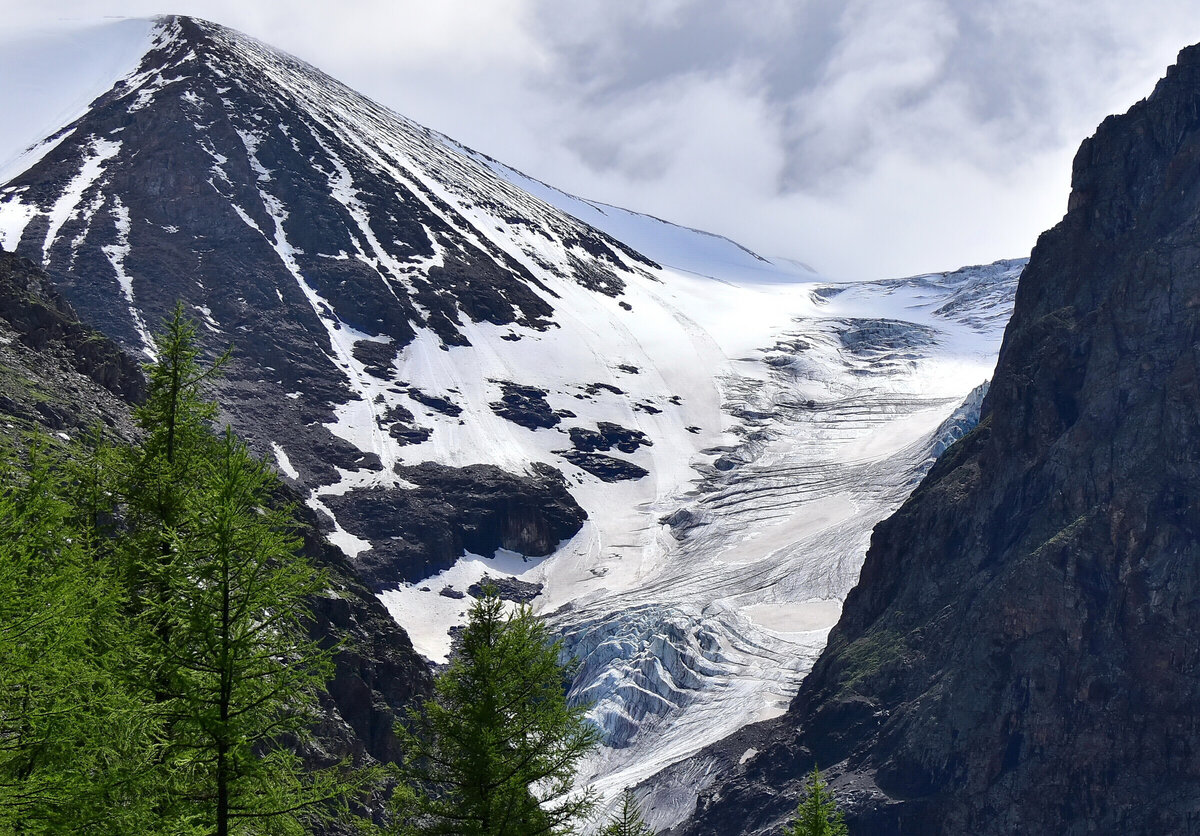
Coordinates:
319 232
220 111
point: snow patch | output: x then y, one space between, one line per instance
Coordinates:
285 464
98 152
431 614
116 255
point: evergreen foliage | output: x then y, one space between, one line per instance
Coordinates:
628 819
155 677
244 677
72 735
817 814
493 753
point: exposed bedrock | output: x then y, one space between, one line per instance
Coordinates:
420 530
607 468
377 675
43 323
606 436
525 406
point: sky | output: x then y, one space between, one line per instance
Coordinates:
867 138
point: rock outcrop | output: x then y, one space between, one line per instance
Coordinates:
55 372
377 673
1020 653
419 530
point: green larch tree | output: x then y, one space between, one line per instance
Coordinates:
246 679
155 674
818 813
220 592
494 752
627 821
74 738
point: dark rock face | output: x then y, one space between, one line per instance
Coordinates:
606 436
435 402
409 435
525 406
420 531
508 589
596 388
377 673
55 372
376 357
41 316
608 468
1020 654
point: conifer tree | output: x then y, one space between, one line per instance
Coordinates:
220 591
73 739
817 814
155 676
246 676
494 752
627 821
161 480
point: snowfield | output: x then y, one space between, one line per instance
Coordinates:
698 596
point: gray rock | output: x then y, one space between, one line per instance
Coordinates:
509 589
417 533
607 468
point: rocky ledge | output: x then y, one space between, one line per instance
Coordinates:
417 531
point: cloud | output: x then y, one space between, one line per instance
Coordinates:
866 138
897 137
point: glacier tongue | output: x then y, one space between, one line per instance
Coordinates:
835 423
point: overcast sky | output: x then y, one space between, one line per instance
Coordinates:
867 138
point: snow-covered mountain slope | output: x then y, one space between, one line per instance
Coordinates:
682 248
447 356
836 421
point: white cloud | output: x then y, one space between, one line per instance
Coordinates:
867 138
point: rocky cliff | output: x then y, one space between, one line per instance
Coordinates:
1020 654
55 372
